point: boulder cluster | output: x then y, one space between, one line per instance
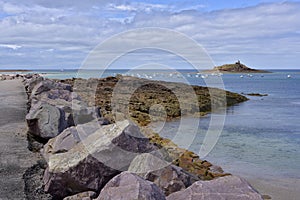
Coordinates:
4 77
85 156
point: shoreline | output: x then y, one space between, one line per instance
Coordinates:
206 175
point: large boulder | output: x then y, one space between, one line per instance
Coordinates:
47 85
55 102
57 94
69 138
30 81
166 176
91 163
127 186
75 112
171 179
45 120
228 187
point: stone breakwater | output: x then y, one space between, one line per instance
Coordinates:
88 156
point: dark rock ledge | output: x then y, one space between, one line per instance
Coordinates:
87 156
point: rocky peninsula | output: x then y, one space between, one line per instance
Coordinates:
237 67
89 150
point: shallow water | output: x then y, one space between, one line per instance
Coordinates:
261 137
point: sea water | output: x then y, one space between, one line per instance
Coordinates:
260 137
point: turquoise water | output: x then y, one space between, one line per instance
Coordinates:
260 136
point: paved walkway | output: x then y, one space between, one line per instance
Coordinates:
15 158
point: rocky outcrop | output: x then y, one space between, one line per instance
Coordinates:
123 93
90 164
256 94
229 187
130 186
237 67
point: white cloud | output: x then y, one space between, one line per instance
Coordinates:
60 29
139 7
121 7
11 46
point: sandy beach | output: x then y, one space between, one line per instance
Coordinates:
15 157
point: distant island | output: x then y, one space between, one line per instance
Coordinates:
14 70
237 67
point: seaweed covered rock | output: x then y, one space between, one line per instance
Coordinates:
135 97
90 164
130 186
229 187
185 159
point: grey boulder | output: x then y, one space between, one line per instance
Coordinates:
45 120
69 138
31 81
47 85
91 163
166 176
127 186
227 188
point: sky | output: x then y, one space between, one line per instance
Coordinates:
55 34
